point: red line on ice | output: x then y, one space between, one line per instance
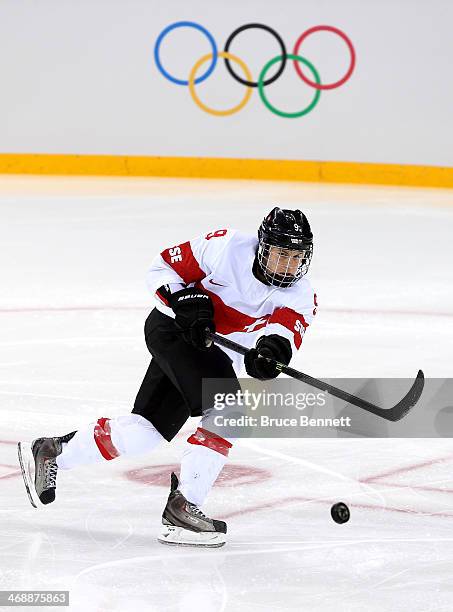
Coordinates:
289 500
12 474
377 478
418 487
369 479
69 308
118 307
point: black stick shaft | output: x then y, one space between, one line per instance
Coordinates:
390 414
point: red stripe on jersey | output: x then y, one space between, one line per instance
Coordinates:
229 320
203 437
103 439
161 298
182 260
293 321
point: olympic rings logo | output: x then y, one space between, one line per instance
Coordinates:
262 82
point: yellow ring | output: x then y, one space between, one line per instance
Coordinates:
199 103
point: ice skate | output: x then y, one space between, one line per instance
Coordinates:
39 468
184 524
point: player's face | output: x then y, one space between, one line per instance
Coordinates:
284 261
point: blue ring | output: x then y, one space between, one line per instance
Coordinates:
181 24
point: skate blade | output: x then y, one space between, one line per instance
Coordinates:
177 536
27 467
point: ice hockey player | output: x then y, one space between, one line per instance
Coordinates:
252 290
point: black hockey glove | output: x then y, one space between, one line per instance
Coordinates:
273 346
194 313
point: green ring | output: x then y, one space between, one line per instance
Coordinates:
266 102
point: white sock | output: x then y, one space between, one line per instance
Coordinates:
108 438
201 463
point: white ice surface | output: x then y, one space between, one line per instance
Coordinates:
74 253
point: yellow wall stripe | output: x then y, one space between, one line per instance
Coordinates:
204 167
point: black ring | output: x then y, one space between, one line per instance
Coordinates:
260 26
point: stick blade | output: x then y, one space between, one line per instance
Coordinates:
409 400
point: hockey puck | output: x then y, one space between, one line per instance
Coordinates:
340 513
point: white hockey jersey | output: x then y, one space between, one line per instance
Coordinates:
221 263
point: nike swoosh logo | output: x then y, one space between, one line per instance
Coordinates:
214 283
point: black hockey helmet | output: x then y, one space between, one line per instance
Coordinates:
285 246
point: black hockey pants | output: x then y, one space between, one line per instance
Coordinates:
172 389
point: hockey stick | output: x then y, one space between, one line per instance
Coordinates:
395 413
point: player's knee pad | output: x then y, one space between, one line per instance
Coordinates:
125 435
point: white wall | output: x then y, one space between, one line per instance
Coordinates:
79 77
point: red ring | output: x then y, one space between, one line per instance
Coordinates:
342 35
